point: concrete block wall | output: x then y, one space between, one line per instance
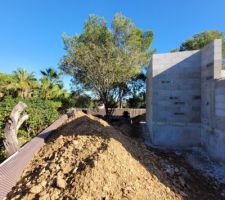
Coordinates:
213 101
173 106
214 139
149 83
186 100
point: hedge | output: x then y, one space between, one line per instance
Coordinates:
41 114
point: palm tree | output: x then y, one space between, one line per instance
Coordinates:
51 87
25 82
52 75
49 90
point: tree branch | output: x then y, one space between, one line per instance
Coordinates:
20 122
17 110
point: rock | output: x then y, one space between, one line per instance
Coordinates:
55 194
61 183
129 188
75 142
44 183
66 169
183 194
169 170
57 167
181 180
75 170
222 194
28 184
52 166
42 171
44 196
36 189
176 170
61 160
178 153
105 188
167 189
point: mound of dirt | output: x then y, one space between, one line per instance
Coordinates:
89 159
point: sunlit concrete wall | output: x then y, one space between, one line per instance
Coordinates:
213 101
174 103
186 100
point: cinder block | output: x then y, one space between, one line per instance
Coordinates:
192 77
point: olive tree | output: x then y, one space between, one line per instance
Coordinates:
101 59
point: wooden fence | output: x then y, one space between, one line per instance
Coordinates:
117 112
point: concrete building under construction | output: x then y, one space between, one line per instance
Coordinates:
186 100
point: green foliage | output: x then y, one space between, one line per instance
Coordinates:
137 91
82 101
23 133
2 154
23 86
77 100
174 50
41 114
51 86
101 59
7 81
25 83
201 39
137 84
52 75
50 90
136 102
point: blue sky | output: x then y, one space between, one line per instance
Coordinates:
30 30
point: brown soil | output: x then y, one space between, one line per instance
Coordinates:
89 159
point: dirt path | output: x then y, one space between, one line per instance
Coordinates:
89 159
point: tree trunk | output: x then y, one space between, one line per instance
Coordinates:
106 110
120 102
12 126
25 92
120 98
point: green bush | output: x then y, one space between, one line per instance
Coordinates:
76 101
41 114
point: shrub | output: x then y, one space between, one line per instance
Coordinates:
41 114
